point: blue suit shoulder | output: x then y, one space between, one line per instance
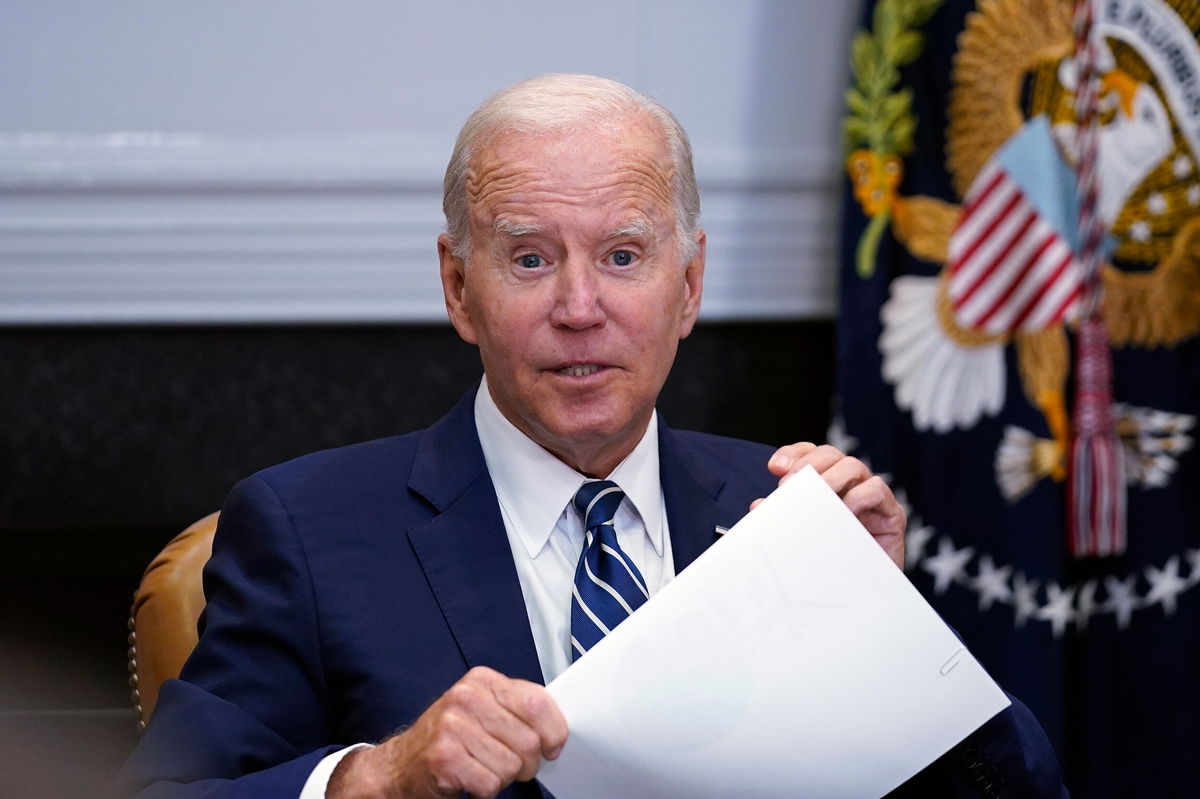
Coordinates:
366 461
739 464
710 445
346 482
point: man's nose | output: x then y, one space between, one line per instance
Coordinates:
577 300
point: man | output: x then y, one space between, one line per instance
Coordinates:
430 583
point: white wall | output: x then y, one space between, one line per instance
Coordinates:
209 160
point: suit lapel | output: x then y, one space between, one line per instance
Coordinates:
691 490
464 550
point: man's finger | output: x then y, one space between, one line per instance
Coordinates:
482 700
495 756
845 474
477 780
872 494
513 747
521 744
534 707
782 460
820 458
452 768
874 504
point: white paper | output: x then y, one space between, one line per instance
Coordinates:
792 659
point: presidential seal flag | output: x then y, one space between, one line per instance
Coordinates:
986 336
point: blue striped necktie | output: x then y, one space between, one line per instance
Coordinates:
608 586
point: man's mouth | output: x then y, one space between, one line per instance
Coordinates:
580 370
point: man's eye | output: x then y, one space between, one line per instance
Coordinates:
531 261
622 258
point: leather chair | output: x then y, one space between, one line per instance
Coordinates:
166 607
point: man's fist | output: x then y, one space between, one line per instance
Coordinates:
485 732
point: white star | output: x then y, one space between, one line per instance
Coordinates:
1024 598
1122 598
1139 231
1165 584
1193 559
992 583
915 539
1058 610
838 437
1156 203
1087 604
947 565
901 497
1182 167
1193 194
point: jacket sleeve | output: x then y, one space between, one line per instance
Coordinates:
1009 756
249 715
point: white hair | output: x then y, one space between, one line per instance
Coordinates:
555 102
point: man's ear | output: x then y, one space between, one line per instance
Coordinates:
454 289
693 285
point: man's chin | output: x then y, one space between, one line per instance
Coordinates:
583 440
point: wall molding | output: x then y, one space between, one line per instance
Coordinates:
148 228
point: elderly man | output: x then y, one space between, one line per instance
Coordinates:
431 583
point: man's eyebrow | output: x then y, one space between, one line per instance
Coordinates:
634 229
507 228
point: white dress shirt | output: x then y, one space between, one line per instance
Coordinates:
545 534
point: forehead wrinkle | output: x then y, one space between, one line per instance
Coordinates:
657 178
497 186
517 214
483 183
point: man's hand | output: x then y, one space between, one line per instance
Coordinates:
485 732
867 496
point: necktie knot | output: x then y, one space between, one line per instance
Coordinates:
597 502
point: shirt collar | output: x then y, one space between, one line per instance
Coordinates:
533 487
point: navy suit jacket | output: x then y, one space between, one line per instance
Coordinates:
348 589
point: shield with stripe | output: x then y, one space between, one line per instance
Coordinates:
1012 254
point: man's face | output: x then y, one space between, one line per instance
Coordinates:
574 291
